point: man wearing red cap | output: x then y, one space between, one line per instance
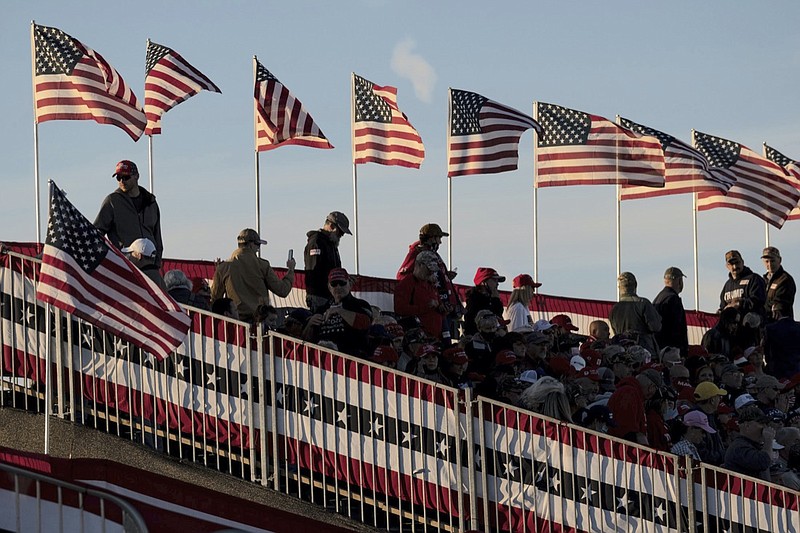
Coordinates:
430 238
130 212
517 312
418 296
485 295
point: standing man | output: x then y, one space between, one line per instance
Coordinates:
430 238
247 279
779 284
673 317
130 212
744 289
321 256
634 314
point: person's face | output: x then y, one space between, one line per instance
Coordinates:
537 350
519 348
732 380
772 264
434 242
769 393
458 369
430 362
601 331
695 435
705 374
752 429
488 324
735 267
339 289
621 370
128 183
271 320
397 344
785 401
675 283
492 284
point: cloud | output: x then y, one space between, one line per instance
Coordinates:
413 66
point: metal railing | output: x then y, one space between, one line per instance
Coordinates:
36 502
381 446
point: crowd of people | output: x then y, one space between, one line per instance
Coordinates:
729 401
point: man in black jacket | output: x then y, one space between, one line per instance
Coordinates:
321 256
130 212
781 288
673 317
744 289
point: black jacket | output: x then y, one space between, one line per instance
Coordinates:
748 289
673 320
123 224
321 256
781 289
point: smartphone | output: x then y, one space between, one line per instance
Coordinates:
291 254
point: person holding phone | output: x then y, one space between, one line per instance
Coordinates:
248 279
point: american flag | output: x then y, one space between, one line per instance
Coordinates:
577 148
791 166
73 82
763 188
169 80
282 118
686 168
84 274
381 132
483 137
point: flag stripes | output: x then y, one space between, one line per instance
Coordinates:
73 82
169 80
483 135
791 166
381 132
686 169
763 188
576 148
280 117
84 274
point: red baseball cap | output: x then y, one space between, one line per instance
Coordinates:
456 355
564 321
505 357
485 273
590 373
338 274
125 168
524 280
426 349
385 354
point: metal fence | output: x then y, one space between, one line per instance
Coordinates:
381 446
34 502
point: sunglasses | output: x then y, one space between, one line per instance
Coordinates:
123 178
337 283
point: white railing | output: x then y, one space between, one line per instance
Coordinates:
381 446
31 501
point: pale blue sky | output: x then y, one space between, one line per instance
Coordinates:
728 68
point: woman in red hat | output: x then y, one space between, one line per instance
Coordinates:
485 295
517 312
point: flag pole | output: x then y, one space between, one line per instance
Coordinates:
355 167
694 231
255 144
535 198
150 160
766 224
618 191
449 180
150 146
37 194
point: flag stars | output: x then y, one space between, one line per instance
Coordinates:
369 106
341 417
465 112
408 437
310 406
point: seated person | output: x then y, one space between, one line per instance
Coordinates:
344 321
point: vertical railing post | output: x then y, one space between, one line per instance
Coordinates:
472 483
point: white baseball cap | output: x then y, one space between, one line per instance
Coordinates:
142 246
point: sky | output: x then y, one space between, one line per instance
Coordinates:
723 67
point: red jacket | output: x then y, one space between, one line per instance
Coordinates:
412 297
627 405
